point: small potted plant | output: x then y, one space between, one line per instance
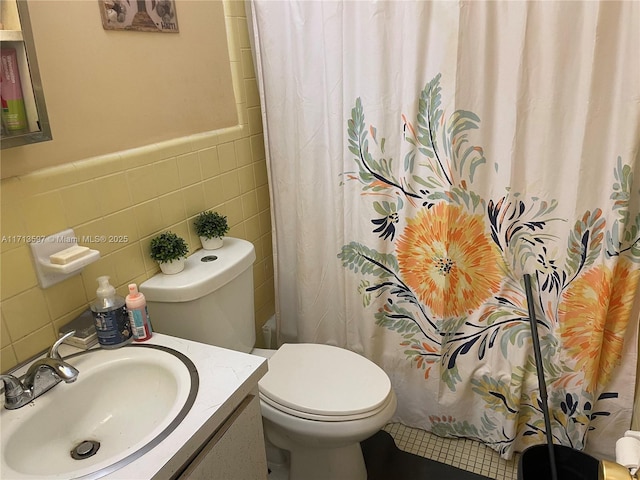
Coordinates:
211 228
170 251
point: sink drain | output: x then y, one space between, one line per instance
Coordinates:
85 449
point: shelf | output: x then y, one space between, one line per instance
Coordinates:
18 35
10 35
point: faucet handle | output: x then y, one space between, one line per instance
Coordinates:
53 352
12 386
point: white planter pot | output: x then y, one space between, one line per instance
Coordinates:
211 243
173 267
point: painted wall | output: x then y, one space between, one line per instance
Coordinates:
108 91
148 176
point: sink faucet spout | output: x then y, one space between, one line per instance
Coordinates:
66 372
43 374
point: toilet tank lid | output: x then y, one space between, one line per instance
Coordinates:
202 274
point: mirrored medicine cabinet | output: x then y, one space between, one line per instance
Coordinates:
24 114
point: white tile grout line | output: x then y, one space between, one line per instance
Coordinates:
462 453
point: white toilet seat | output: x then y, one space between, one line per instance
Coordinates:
324 383
324 418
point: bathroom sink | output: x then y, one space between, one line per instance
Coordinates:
124 402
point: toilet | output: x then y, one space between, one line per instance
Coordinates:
318 402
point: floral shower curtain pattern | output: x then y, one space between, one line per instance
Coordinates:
450 285
422 158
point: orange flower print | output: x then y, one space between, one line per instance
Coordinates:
593 316
448 261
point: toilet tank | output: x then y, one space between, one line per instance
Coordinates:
210 301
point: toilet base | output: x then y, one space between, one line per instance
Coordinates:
312 458
323 463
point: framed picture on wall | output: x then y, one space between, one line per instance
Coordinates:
139 15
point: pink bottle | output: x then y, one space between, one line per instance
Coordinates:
138 315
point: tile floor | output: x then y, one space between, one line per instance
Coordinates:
462 453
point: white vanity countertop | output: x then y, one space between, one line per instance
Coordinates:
226 378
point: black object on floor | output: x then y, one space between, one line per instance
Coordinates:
385 461
572 464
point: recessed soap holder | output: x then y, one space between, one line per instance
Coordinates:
50 273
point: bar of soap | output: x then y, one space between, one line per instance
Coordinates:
68 255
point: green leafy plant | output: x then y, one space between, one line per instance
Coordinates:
167 247
211 225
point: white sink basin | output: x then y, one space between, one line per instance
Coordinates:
127 399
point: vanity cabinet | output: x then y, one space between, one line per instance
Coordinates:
17 35
236 450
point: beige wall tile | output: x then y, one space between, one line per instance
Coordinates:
260 172
189 169
101 166
238 84
66 296
232 38
25 313
8 359
112 232
247 63
257 147
17 273
142 183
227 157
209 162
213 192
232 133
249 204
243 152
5 339
172 208
267 247
144 155
258 274
49 179
264 200
12 221
204 140
238 231
255 120
129 264
234 8
80 203
174 147
251 92
166 176
37 342
112 193
252 228
234 211
265 222
148 217
246 179
230 185
243 32
44 214
194 201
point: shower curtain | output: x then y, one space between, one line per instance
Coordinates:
422 157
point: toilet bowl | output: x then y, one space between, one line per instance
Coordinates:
318 402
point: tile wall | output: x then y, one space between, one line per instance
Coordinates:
118 202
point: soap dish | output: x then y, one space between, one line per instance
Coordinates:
51 273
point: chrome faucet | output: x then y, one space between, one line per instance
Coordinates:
42 375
